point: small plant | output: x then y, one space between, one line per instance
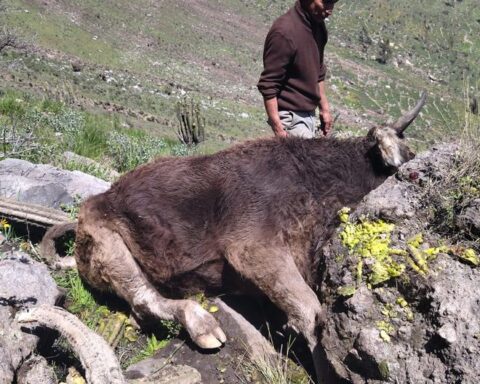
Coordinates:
96 170
384 51
129 152
78 297
73 208
7 38
151 347
70 246
276 369
192 124
6 229
181 150
172 328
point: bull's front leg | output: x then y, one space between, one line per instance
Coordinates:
274 272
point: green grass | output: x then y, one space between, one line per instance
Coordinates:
40 131
79 298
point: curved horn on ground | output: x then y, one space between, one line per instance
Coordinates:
100 363
403 122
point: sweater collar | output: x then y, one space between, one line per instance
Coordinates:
304 15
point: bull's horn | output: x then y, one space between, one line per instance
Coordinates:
97 357
403 122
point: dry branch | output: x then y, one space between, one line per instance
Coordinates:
31 214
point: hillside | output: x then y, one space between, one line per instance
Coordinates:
134 60
101 87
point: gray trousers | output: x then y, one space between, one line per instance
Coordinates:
300 124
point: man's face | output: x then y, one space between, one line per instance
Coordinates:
320 9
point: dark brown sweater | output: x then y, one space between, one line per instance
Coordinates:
293 61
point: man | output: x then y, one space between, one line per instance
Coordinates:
293 80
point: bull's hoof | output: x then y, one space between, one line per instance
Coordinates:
211 341
201 325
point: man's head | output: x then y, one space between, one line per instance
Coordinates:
319 9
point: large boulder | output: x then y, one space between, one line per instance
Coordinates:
403 307
23 283
46 185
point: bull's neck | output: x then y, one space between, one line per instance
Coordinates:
351 171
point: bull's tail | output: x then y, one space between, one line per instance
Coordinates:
48 247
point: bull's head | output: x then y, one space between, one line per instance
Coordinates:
389 139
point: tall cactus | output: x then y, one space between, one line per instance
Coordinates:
192 124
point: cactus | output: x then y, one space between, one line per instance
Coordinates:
192 124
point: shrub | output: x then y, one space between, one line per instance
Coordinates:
129 152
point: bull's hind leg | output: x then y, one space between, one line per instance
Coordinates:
106 263
274 272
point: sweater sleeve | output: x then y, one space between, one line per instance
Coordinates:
323 37
322 72
277 55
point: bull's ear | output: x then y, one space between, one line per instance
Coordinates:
403 122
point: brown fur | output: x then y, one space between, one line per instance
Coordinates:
250 218
179 217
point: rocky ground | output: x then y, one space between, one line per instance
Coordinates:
407 307
403 300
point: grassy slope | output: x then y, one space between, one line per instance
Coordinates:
212 50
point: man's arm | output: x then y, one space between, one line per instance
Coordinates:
325 116
277 53
271 107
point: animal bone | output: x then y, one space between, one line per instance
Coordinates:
100 363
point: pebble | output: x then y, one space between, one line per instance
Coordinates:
448 333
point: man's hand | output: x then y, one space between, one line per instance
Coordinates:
326 122
278 130
271 106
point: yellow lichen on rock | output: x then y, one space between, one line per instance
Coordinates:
370 240
470 256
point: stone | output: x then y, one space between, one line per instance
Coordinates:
361 301
23 283
158 371
448 333
36 370
46 185
469 219
430 339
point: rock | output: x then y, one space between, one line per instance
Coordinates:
361 302
429 321
239 329
145 367
374 354
44 184
77 66
158 371
74 377
244 344
36 370
23 283
448 333
393 206
82 160
469 219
